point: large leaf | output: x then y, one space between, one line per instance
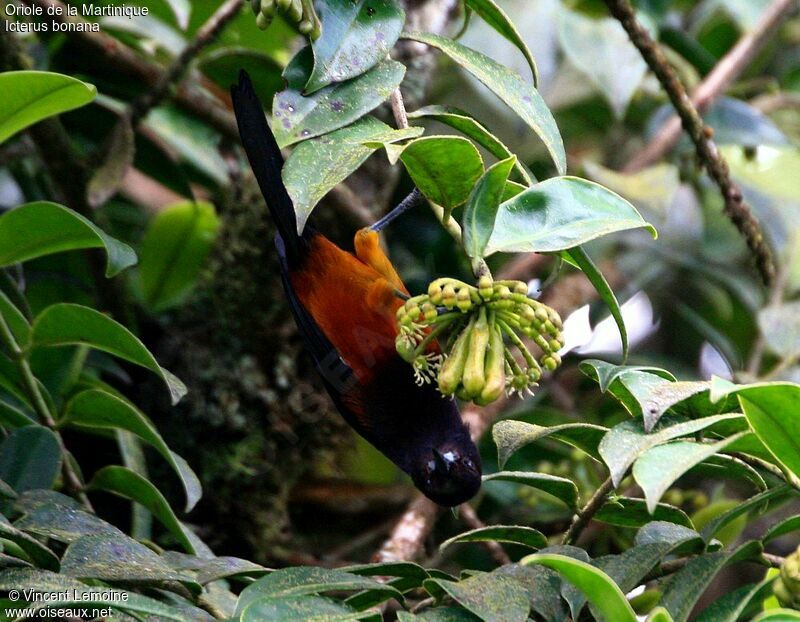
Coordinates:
628 440
296 116
355 36
739 604
97 409
607 374
30 458
316 166
444 168
65 524
474 129
310 608
581 259
560 487
489 596
628 512
601 50
37 552
482 206
30 96
174 250
70 324
130 485
43 228
758 502
559 214
510 436
520 96
544 588
596 585
512 534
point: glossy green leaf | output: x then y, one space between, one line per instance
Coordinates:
96 409
606 374
580 258
130 485
512 534
758 502
70 324
493 15
30 96
42 228
316 166
64 524
559 214
659 614
560 487
30 458
683 540
780 326
601 50
482 205
781 528
690 582
173 252
16 321
778 615
520 96
657 468
629 512
310 608
37 552
296 116
510 436
356 36
651 189
474 129
628 440
488 596
597 586
444 168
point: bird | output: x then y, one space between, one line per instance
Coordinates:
344 305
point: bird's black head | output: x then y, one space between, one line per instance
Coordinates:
449 475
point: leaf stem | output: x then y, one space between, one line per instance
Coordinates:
585 515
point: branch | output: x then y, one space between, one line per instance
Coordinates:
735 207
714 84
585 515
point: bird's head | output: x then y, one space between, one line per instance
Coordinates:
449 475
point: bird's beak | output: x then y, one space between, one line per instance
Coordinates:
441 461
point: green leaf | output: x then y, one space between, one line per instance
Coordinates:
683 540
510 436
543 586
43 228
119 559
444 168
30 458
520 96
173 252
70 324
629 512
652 189
526 536
606 374
657 468
493 15
659 614
472 128
316 166
580 258
97 409
778 615
489 596
559 214
742 508
30 96
560 487
65 524
780 326
355 36
601 50
131 485
439 614
781 528
597 586
16 321
626 441
482 206
690 582
309 608
297 117
37 552
302 580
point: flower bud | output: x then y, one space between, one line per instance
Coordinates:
474 375
453 367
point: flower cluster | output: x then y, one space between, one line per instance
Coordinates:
480 328
300 12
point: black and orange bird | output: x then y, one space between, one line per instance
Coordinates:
345 306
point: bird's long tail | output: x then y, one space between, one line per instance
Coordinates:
266 161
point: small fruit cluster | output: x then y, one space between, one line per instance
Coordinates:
300 12
473 324
787 586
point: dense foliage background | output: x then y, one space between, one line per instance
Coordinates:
133 241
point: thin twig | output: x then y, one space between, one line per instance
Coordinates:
735 207
399 109
585 515
715 83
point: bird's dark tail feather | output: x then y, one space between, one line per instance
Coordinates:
266 161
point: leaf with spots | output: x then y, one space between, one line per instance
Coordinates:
561 488
488 596
356 35
513 534
297 116
510 436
